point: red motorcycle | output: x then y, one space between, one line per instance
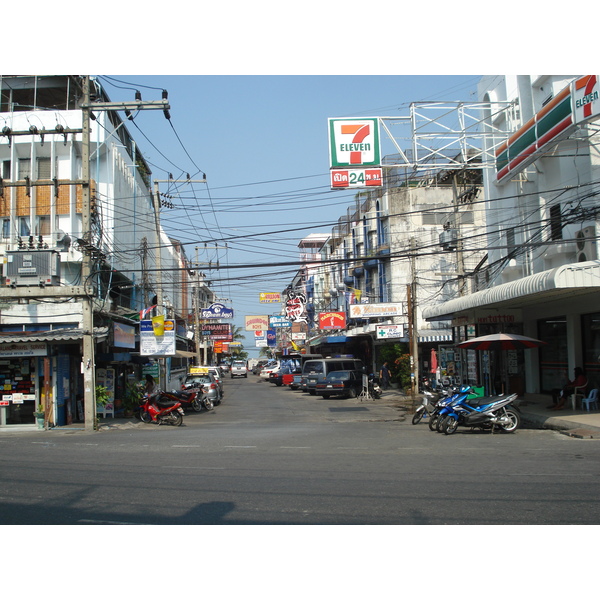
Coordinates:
159 408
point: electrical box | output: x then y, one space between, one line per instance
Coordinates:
32 267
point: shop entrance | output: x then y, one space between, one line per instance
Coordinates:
17 391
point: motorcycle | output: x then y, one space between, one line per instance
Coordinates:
374 388
194 398
158 408
427 407
486 413
443 406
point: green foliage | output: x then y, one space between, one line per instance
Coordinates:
102 397
133 395
398 361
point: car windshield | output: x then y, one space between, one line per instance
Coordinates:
197 379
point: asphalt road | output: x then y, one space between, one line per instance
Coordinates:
269 455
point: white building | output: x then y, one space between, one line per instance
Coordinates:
41 211
542 275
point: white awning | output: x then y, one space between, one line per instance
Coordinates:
562 283
52 336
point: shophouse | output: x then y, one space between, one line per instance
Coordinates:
393 254
43 246
542 274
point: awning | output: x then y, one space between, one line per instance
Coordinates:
562 283
185 354
54 335
435 335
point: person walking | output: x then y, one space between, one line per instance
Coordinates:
384 376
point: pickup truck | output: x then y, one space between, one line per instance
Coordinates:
238 369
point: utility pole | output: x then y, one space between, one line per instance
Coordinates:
412 323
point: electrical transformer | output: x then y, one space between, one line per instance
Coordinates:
32 267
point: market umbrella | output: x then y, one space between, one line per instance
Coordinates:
434 362
500 341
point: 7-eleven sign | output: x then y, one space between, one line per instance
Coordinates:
354 142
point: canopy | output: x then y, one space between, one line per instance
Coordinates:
500 341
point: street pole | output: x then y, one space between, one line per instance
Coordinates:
88 363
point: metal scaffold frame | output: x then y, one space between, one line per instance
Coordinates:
446 135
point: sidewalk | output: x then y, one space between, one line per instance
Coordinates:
534 414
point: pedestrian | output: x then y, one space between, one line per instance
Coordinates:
384 376
559 397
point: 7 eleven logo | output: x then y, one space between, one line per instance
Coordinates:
354 142
585 96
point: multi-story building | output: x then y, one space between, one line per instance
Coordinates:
43 244
542 275
397 246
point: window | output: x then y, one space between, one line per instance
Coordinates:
5 228
43 225
24 168
24 227
44 168
555 223
6 169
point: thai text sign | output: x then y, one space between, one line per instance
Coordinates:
354 142
364 311
352 178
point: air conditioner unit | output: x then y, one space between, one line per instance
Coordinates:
32 267
585 240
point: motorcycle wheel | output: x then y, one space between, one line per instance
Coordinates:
417 417
433 422
515 421
145 416
175 419
208 404
441 424
450 425
196 405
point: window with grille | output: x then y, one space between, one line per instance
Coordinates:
555 222
44 168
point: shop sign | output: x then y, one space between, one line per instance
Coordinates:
385 332
365 311
257 322
217 311
355 178
23 350
279 321
157 345
124 335
299 337
217 331
332 320
269 297
354 142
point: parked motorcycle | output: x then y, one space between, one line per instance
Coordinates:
194 398
449 395
486 413
157 408
374 388
427 407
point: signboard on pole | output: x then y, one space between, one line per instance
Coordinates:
257 322
353 178
385 332
157 345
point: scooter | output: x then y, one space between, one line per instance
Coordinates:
194 398
486 413
427 407
157 409
374 388
444 406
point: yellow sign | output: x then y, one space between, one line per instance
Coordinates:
198 370
269 297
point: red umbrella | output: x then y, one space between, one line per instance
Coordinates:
500 341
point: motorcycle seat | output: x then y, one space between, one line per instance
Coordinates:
165 403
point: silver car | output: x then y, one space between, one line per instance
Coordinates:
207 381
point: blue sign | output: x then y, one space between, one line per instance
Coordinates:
279 322
271 337
216 311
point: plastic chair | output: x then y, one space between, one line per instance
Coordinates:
578 392
591 399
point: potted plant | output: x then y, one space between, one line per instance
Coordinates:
102 396
40 416
132 398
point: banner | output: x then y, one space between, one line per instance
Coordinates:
269 297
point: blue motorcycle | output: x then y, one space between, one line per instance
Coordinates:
446 407
485 413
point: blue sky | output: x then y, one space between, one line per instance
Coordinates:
262 142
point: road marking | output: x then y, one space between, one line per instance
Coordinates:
240 446
295 447
186 446
201 467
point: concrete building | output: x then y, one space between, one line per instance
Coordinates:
542 274
43 245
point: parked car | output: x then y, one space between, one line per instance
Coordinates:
340 383
239 369
216 372
256 369
205 380
269 368
317 369
224 367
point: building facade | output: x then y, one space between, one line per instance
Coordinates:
43 245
